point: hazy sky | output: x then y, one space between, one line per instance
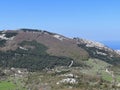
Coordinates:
92 19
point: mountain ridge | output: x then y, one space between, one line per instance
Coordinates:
58 45
36 59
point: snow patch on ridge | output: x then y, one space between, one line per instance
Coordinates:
90 43
59 37
2 36
101 53
95 44
23 48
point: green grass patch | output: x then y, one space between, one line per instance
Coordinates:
5 85
107 77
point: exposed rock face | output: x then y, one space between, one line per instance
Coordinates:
95 44
117 51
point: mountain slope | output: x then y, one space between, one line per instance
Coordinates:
37 49
57 44
30 59
99 51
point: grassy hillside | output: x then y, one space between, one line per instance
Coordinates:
33 58
109 58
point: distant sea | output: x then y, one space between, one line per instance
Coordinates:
112 44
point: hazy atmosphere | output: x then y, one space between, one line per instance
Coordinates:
91 19
59 45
